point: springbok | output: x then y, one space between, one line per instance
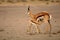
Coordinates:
38 19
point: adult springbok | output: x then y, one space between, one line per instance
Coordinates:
38 19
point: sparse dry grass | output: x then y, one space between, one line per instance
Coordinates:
28 3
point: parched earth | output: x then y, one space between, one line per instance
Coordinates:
14 22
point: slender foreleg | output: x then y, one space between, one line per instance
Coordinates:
29 28
37 28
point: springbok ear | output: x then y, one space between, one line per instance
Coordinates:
28 8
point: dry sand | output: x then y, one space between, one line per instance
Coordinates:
14 22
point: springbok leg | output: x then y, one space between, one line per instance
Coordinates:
50 27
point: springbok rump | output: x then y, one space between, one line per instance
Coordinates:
38 19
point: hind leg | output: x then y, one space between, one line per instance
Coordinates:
48 28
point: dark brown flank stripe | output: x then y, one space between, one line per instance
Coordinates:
42 14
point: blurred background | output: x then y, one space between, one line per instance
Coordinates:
24 2
14 20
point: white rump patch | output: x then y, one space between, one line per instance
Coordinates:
50 16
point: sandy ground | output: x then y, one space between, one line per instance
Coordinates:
14 22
